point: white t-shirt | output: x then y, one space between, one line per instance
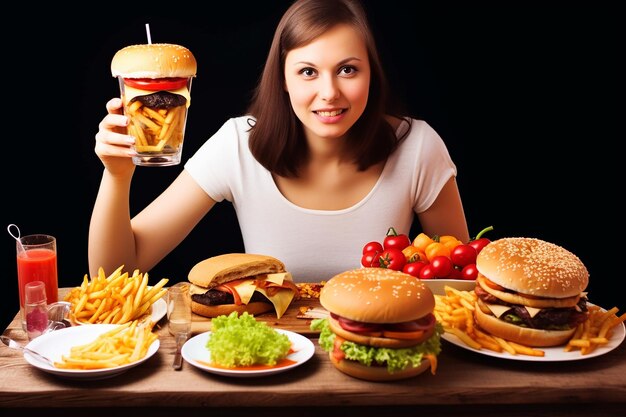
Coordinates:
315 245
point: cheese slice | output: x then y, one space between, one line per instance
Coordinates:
130 93
246 289
498 309
281 300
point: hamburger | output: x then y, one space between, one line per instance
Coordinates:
381 325
240 282
530 291
155 82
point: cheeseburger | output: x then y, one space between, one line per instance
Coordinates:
381 325
240 282
530 291
155 82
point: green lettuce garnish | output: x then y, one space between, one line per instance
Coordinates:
243 341
394 359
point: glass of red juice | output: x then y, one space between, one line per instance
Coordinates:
37 261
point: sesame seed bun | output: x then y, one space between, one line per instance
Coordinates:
155 60
533 267
377 295
376 373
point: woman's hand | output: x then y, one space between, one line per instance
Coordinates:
113 144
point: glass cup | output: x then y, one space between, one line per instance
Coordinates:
179 309
157 115
35 308
37 261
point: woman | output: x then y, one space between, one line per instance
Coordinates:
315 169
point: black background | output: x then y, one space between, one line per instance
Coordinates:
525 96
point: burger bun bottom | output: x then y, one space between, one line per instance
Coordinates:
253 308
376 373
523 335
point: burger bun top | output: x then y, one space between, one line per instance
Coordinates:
377 295
154 60
220 269
533 267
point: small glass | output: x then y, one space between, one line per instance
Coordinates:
35 309
179 309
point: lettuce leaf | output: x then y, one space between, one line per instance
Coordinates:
394 359
243 341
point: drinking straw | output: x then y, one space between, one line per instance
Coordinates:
20 247
148 33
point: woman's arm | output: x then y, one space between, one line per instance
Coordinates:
446 216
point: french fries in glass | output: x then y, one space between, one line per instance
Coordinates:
117 299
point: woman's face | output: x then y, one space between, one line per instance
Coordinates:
328 82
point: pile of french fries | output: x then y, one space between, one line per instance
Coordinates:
154 129
117 299
596 330
126 343
455 312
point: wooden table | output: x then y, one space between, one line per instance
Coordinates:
466 383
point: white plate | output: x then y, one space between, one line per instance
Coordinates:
552 354
197 354
437 285
157 312
59 342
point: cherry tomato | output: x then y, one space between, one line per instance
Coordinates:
442 266
392 258
455 274
370 259
463 255
427 272
372 247
414 268
395 241
479 242
469 272
156 84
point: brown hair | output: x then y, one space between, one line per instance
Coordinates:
277 137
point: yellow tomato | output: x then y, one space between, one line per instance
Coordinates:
412 254
421 241
451 242
436 249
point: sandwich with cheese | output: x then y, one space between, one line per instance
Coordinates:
241 282
530 291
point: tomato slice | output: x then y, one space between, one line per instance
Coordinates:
156 84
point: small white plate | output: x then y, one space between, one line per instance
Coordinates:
157 312
552 354
196 353
57 343
437 285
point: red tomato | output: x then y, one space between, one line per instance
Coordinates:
479 244
372 247
414 268
469 272
442 266
427 272
370 259
392 258
394 240
455 274
156 84
463 255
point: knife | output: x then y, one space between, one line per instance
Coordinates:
178 358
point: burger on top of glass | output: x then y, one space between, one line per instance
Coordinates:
155 84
